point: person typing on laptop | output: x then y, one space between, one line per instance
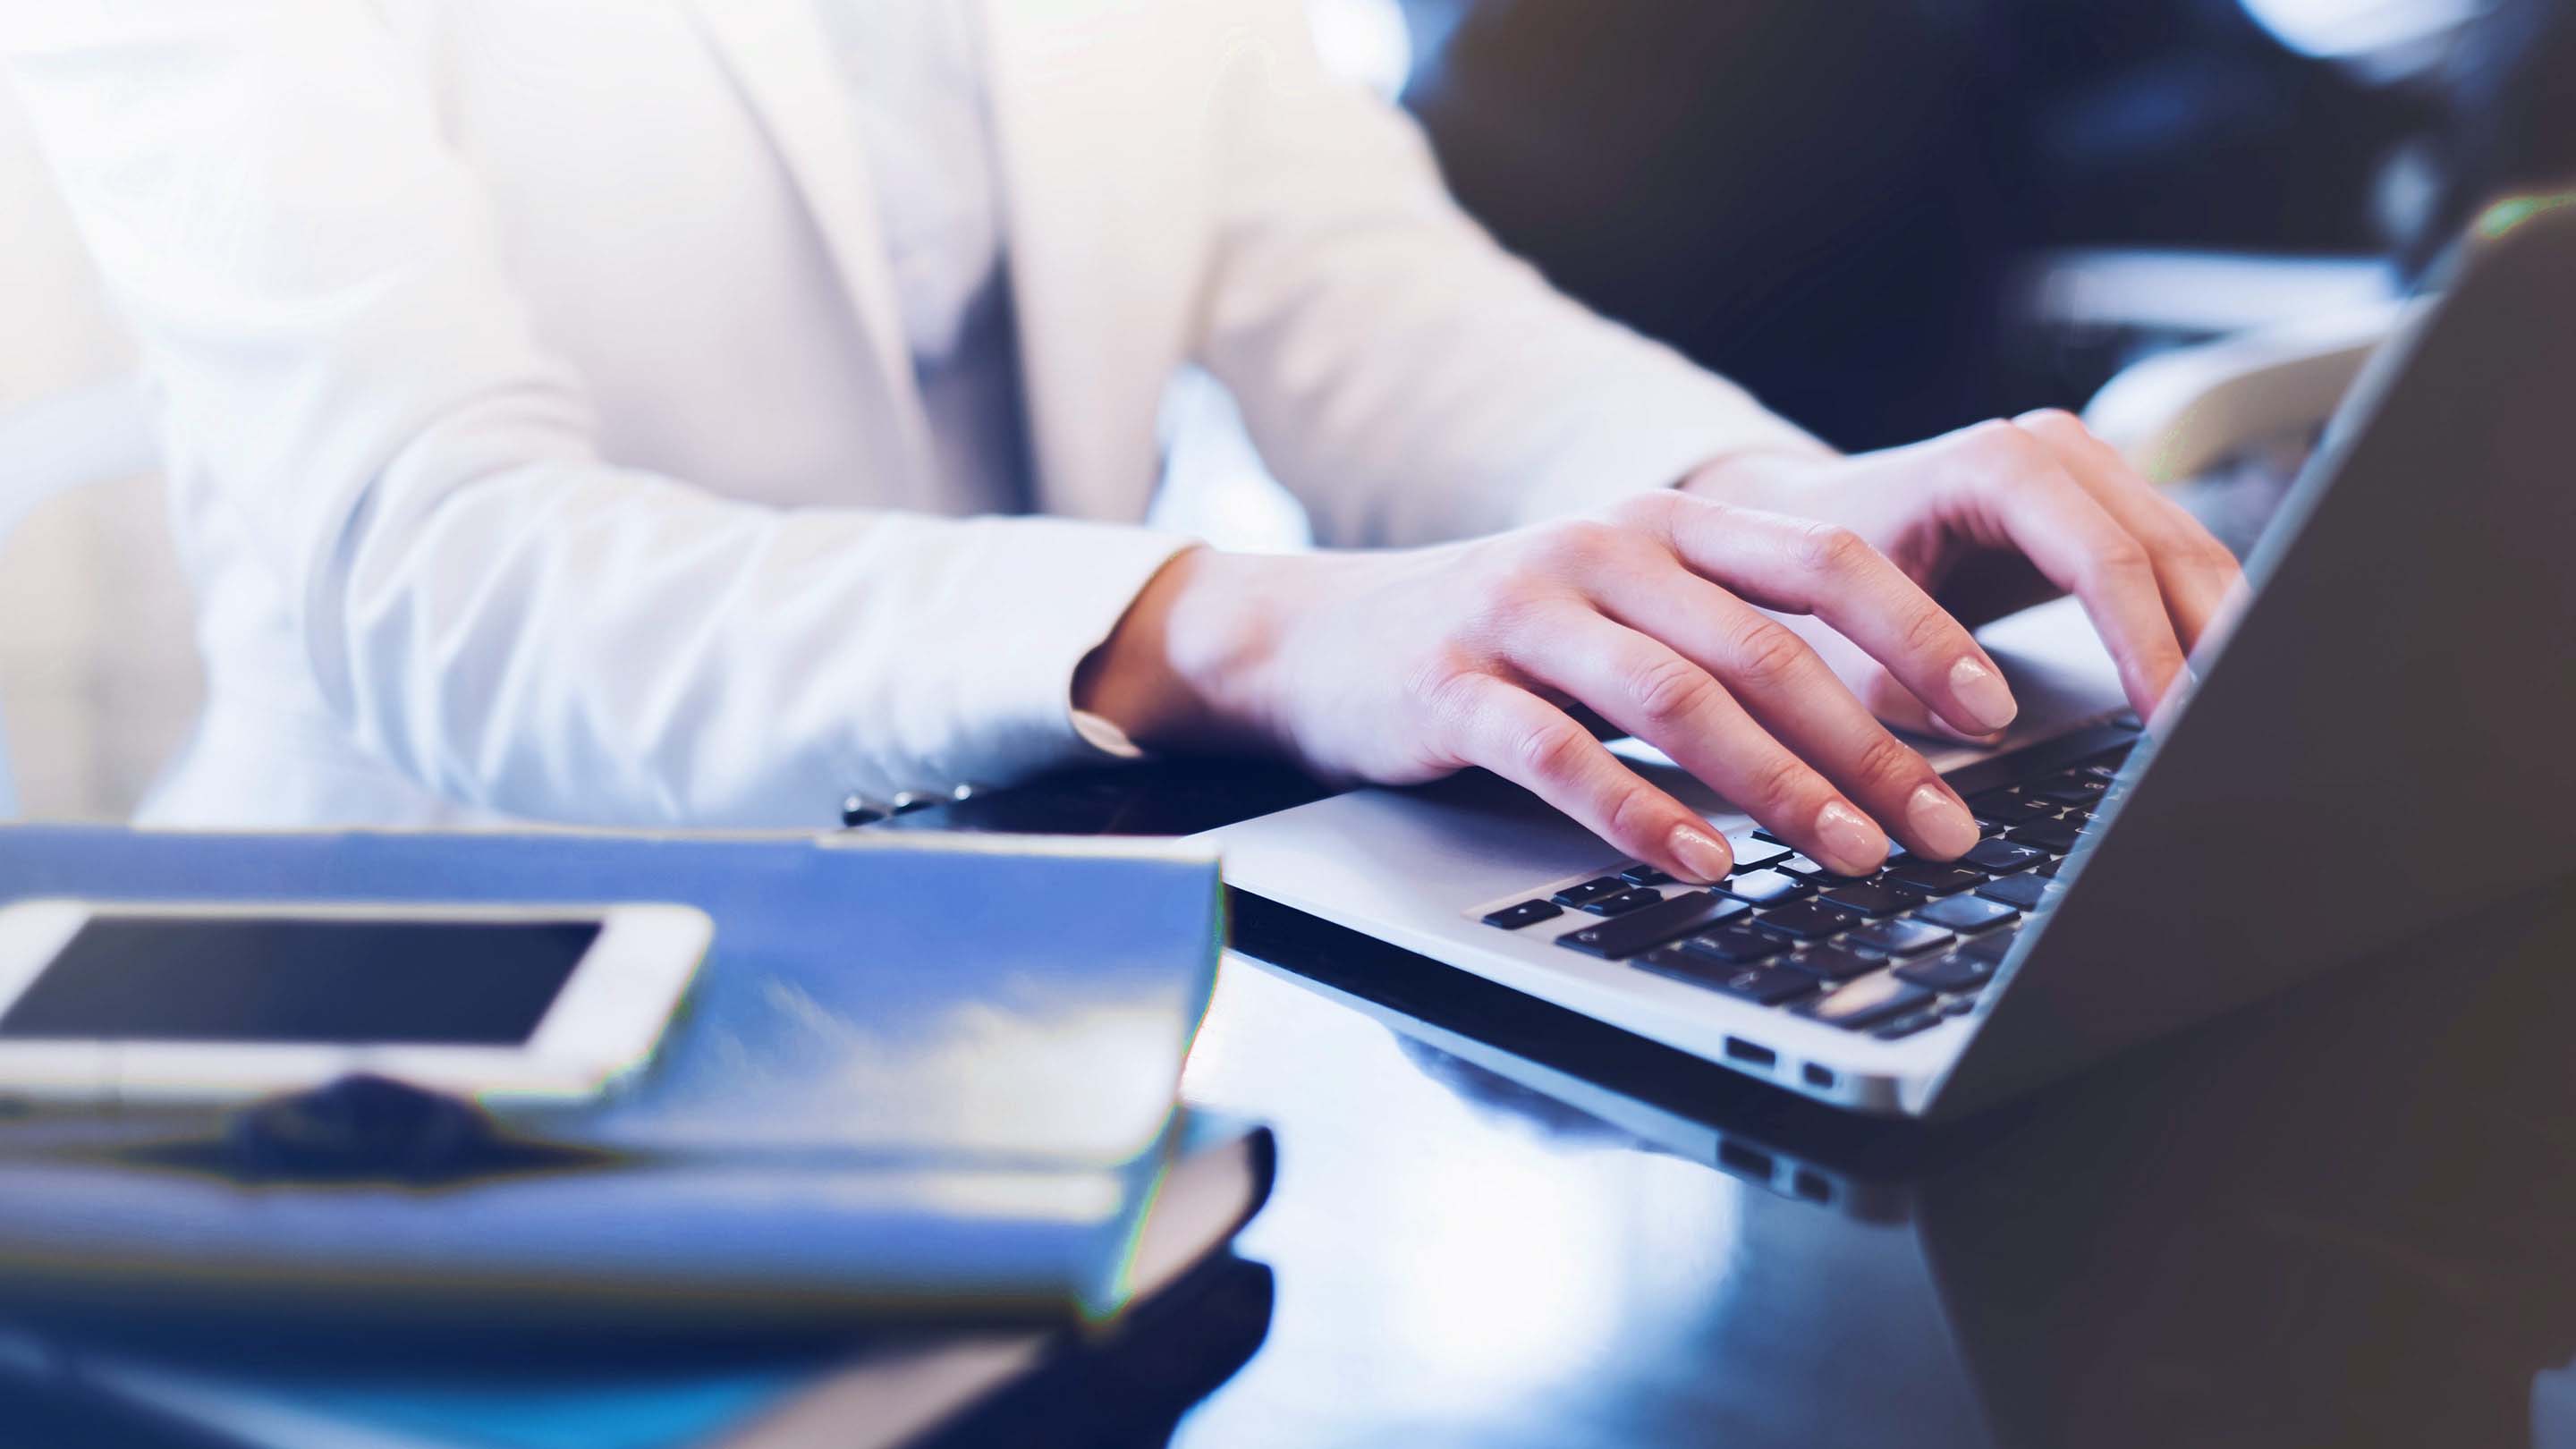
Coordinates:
1402 667
687 413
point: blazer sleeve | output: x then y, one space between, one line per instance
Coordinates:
1402 373
316 283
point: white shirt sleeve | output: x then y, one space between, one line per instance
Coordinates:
1403 374
485 601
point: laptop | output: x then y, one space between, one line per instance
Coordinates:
2380 743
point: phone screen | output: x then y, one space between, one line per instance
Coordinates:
353 983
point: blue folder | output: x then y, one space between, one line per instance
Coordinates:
921 1074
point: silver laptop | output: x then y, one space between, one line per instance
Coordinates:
2385 740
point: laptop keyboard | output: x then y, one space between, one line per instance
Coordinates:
1892 953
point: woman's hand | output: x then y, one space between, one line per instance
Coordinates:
1400 667
2000 516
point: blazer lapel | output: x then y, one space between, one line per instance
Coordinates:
1103 185
782 60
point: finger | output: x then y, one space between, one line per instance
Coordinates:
1655 694
1802 566
1898 707
2196 572
1792 706
2014 486
1895 705
1533 744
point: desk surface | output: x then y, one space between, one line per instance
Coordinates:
2347 1217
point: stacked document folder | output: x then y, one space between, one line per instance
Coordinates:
918 1076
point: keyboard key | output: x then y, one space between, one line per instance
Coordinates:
1871 899
1958 1006
1967 913
1933 878
1633 932
1865 1003
1527 913
1954 972
1806 921
1763 985
1757 851
2048 871
1645 875
2021 892
2076 789
2054 836
1919 1019
1807 870
1899 938
1623 902
1836 962
2003 857
1765 887
1734 945
1591 890
1991 948
2010 807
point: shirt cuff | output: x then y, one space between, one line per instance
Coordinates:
1105 737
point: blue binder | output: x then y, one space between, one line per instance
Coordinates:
921 1074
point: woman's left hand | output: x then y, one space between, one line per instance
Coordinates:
2002 515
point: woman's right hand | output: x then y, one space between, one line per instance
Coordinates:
1398 667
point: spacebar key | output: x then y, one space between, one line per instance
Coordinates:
1623 936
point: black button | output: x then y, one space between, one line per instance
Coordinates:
1991 948
1765 985
2054 836
1900 938
1871 899
2003 857
2022 892
1957 971
1527 913
1757 851
1807 870
1765 887
2048 871
1591 890
1933 878
1807 921
2010 807
2074 789
1734 945
1911 1022
1866 1002
1836 962
1635 931
1958 1006
1622 902
1967 913
1645 875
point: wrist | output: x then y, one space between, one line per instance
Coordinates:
1757 477
1182 669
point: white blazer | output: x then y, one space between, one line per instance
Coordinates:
541 433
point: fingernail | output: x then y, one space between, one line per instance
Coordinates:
1855 845
1943 824
1982 693
1703 856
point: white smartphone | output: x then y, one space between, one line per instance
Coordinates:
152 1004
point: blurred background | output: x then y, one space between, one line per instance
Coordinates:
1887 218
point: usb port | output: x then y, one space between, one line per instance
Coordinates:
1751 1162
1740 1050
